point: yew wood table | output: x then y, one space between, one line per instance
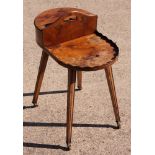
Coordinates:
70 37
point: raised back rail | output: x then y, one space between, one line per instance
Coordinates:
59 25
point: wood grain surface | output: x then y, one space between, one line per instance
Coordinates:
63 24
52 15
89 52
69 35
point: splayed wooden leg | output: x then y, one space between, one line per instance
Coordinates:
70 105
110 80
42 67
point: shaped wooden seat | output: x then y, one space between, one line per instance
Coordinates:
69 36
89 52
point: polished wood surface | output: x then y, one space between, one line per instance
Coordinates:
86 53
70 105
42 67
52 15
69 35
110 81
63 24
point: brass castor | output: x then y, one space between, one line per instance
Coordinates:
35 105
118 125
79 87
68 147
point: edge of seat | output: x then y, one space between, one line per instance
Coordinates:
116 49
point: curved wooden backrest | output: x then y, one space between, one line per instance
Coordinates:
63 24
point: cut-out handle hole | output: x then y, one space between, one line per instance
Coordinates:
70 18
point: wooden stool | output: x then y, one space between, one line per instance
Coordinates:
70 37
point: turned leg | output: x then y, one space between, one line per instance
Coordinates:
110 80
79 79
40 76
70 105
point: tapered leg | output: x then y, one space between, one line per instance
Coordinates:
79 79
110 80
70 105
40 76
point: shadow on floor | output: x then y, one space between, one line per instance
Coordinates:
48 92
42 124
47 146
28 107
44 93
